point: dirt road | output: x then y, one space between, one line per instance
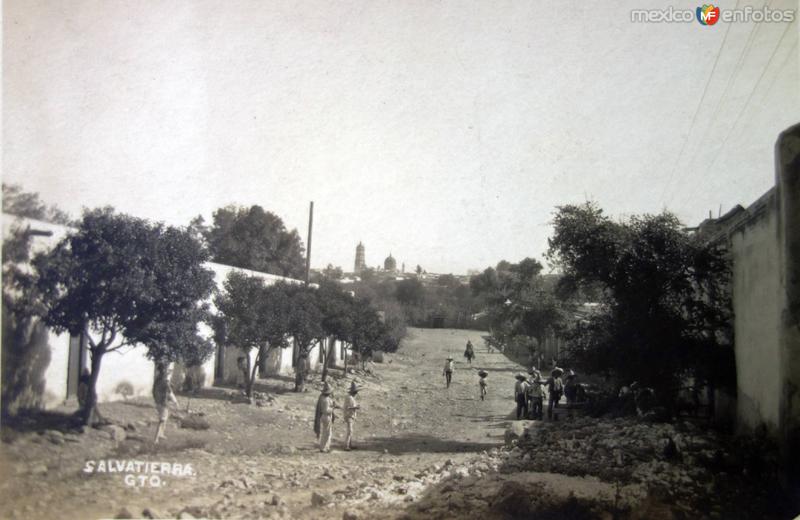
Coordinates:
262 461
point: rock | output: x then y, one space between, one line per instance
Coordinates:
152 513
349 515
319 499
124 513
115 432
39 469
191 512
515 432
277 500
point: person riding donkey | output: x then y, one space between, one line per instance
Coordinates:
469 352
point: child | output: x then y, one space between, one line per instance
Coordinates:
535 397
482 383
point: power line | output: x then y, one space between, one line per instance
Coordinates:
789 55
737 68
750 96
697 110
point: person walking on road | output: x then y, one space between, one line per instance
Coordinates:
448 370
482 383
520 395
351 408
163 396
469 352
324 417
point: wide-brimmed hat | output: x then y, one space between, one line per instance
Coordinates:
326 389
354 388
483 373
557 372
520 376
450 357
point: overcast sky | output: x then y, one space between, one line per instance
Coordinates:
443 132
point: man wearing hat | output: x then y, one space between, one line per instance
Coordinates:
323 418
555 388
448 370
520 396
350 410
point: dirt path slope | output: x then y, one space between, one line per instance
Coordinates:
261 461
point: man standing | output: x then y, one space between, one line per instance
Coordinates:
448 370
350 411
555 388
163 396
520 396
323 418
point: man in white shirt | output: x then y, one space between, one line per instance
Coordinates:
448 370
350 411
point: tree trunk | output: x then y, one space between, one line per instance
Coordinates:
90 414
300 370
325 355
251 376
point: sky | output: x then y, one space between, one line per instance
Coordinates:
443 132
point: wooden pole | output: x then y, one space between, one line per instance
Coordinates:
308 249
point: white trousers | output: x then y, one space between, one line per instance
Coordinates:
325 433
349 433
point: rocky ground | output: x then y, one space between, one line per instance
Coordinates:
423 452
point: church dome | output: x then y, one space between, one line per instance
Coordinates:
390 264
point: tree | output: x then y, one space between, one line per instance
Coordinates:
24 204
25 353
304 327
522 311
667 309
252 238
333 273
336 307
368 333
252 316
114 279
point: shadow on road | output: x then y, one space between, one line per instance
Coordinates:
412 443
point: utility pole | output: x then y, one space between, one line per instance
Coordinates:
308 248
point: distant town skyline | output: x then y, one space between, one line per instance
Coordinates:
443 132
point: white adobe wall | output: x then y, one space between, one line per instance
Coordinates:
757 306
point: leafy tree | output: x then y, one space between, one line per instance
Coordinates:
336 307
119 281
25 204
252 316
368 333
522 311
410 292
252 238
304 326
24 353
333 273
667 308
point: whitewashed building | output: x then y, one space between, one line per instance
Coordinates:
47 365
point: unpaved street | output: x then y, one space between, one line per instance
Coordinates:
261 461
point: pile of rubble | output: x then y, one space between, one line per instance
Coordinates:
680 463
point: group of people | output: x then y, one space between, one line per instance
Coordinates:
324 416
530 392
